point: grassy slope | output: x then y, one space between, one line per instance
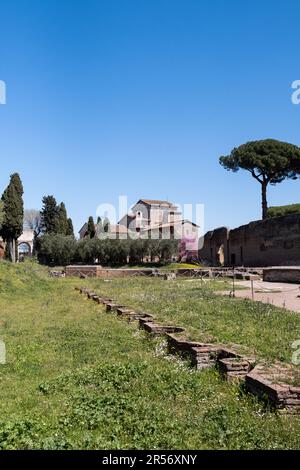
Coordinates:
78 378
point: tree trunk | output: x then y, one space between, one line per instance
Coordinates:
264 202
16 251
12 250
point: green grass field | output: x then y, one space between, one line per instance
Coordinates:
78 378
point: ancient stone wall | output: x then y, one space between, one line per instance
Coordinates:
271 242
215 247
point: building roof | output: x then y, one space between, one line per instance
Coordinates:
159 202
84 227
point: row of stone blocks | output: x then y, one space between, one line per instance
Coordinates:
231 364
265 382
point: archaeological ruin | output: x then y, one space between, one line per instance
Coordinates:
270 242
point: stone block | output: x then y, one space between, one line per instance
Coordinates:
156 329
123 311
275 385
145 318
204 356
91 294
201 355
180 345
104 300
131 315
111 307
235 367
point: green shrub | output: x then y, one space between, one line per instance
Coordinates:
277 211
56 249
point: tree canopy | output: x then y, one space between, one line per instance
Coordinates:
268 161
54 218
49 215
70 228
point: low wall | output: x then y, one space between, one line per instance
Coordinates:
104 273
281 274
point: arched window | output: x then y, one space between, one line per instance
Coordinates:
24 249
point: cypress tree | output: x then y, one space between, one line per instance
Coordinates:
91 228
13 207
50 215
70 229
62 220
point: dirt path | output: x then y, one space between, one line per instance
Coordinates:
282 295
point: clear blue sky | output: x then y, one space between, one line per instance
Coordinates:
141 97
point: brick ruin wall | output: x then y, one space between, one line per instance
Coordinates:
215 247
271 242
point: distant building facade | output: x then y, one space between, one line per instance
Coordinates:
156 219
148 213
